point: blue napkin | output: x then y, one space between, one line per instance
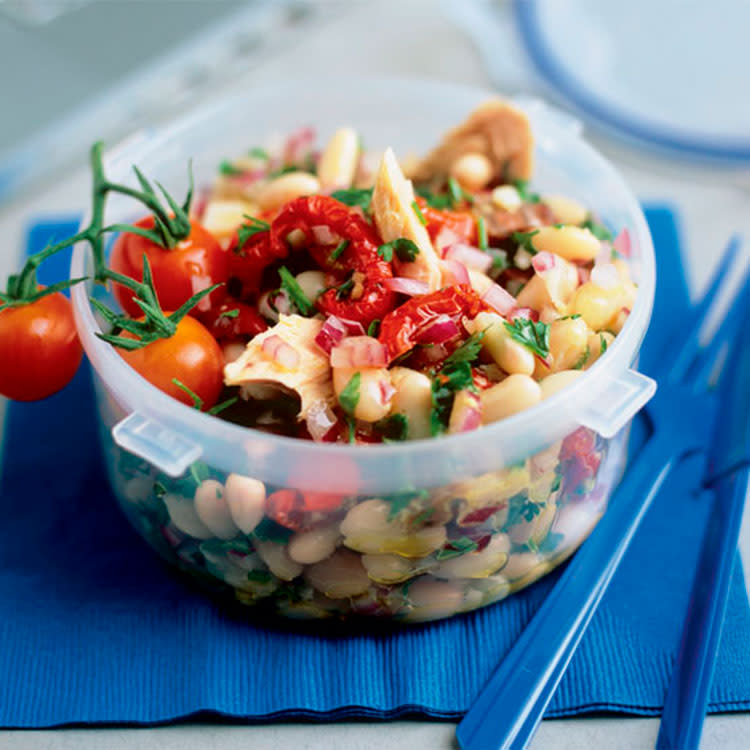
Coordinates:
95 629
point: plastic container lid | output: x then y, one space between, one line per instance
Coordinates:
670 76
410 115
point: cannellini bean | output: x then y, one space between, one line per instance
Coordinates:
212 508
623 269
472 170
566 210
523 564
493 588
595 346
619 321
507 198
432 600
313 545
535 296
480 282
575 522
514 394
341 575
285 188
374 391
476 564
569 242
388 568
182 514
413 399
509 354
312 283
596 305
338 162
568 343
222 217
557 381
246 498
137 489
277 558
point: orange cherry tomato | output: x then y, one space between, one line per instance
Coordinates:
39 348
195 263
447 227
192 356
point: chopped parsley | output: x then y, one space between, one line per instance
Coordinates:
337 252
354 197
195 398
457 193
286 169
393 428
374 328
406 250
468 351
296 294
252 227
525 241
258 576
402 500
418 212
453 377
343 289
521 508
583 359
482 233
349 397
575 316
228 169
534 336
527 196
258 153
270 531
440 201
499 259
230 313
199 472
598 230
455 548
602 344
214 410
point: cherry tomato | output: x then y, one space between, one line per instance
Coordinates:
39 348
448 227
195 263
227 325
191 356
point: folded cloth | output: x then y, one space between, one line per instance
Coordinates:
94 628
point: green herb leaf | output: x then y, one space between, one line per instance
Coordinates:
258 576
456 548
457 193
499 259
602 344
214 410
534 336
286 169
406 250
343 289
336 254
575 316
199 472
527 196
401 500
230 313
524 240
441 201
598 230
393 428
583 359
468 351
349 397
252 227
354 197
159 489
482 241
296 294
374 328
258 153
196 399
228 169
453 377
418 212
270 531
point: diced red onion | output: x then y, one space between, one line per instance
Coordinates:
320 420
403 285
359 351
454 273
323 235
331 334
444 239
298 145
444 328
622 243
525 313
605 275
583 274
471 257
387 392
281 352
353 327
248 177
466 414
499 299
543 262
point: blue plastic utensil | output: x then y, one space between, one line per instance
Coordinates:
687 693
512 703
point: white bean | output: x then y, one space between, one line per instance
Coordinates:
596 305
557 381
521 565
509 354
312 283
433 600
374 401
222 217
566 210
570 242
472 170
211 507
182 514
476 564
536 529
246 498
285 188
535 295
338 162
277 558
388 568
480 282
507 197
413 399
514 394
313 545
341 575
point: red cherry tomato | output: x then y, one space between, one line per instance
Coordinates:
195 263
233 320
191 356
39 348
447 227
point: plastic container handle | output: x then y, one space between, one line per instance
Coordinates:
620 401
165 449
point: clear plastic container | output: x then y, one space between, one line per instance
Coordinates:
423 529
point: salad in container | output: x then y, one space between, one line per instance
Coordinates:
361 350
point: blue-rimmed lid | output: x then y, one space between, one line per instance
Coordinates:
670 75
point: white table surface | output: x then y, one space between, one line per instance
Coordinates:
412 36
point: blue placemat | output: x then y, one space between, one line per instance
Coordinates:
95 629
